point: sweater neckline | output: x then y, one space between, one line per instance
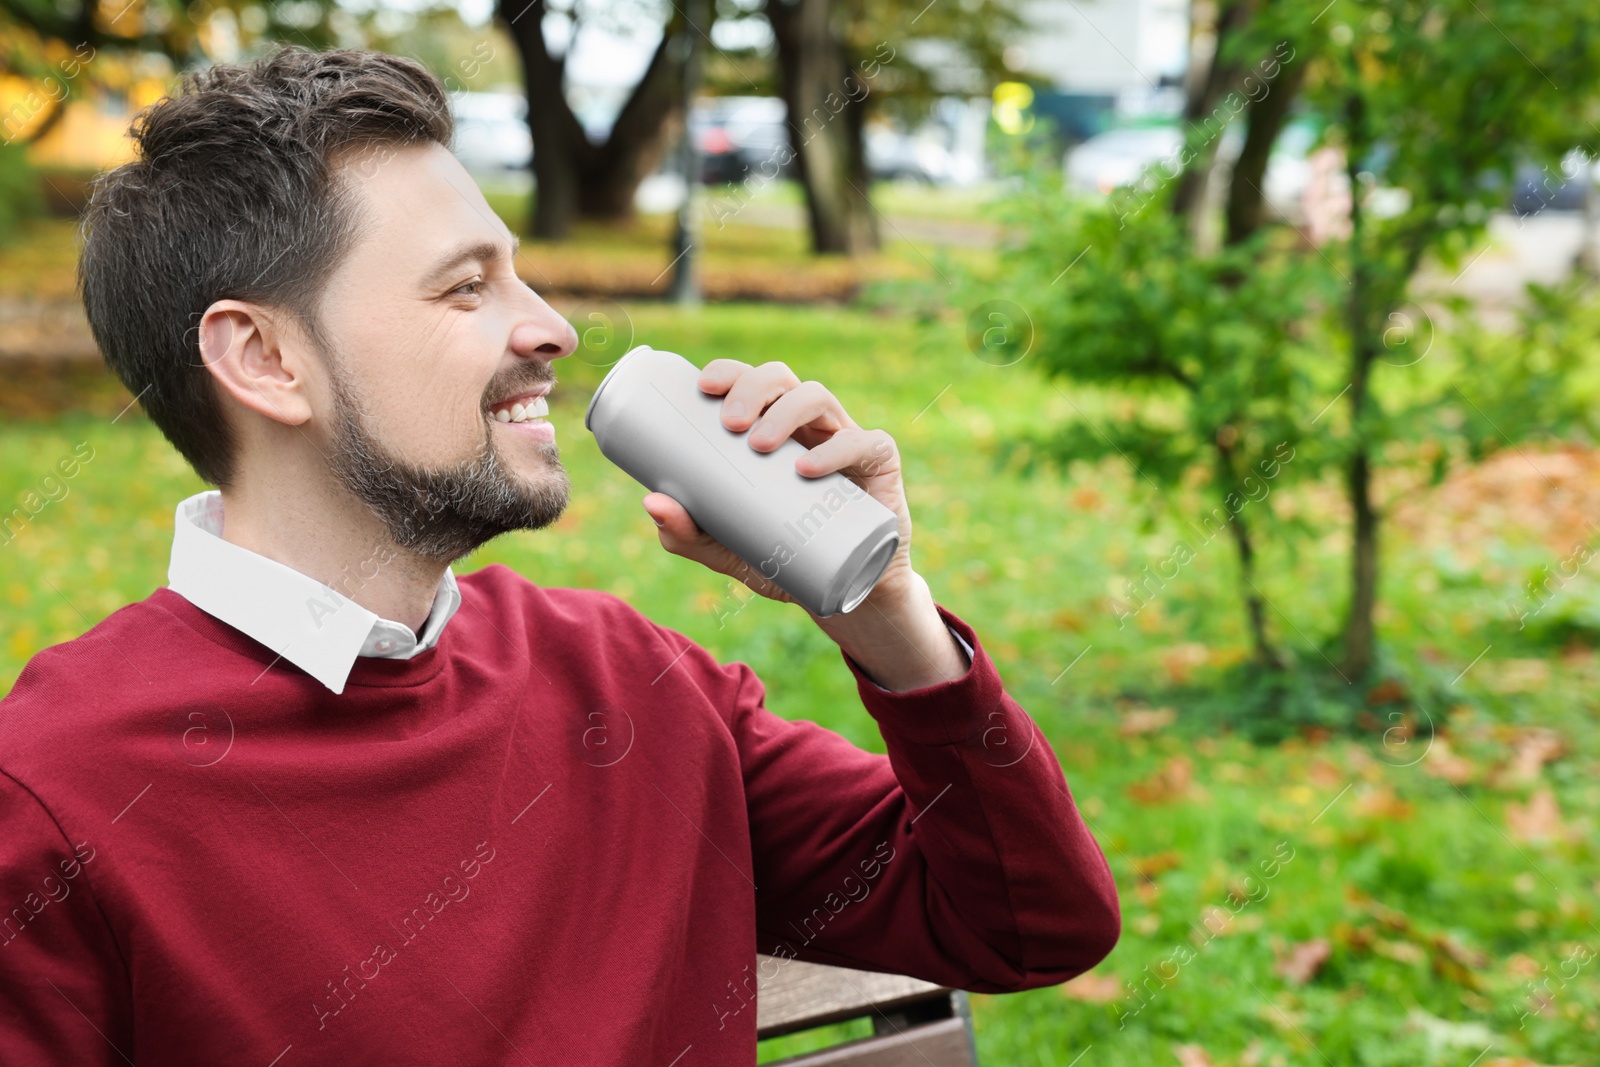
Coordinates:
367 671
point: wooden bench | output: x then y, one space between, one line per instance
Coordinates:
914 1023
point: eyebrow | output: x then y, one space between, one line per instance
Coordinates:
475 252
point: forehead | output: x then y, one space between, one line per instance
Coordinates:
417 203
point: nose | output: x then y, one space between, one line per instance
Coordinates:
543 332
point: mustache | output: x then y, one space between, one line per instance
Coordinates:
522 381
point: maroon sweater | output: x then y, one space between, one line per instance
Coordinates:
558 837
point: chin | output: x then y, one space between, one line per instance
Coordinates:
532 459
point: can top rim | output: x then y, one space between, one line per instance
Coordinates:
589 412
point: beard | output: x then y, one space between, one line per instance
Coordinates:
445 513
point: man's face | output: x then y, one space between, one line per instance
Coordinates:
428 342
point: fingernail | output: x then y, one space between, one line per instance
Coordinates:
734 410
657 521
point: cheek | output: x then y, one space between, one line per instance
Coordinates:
430 388
444 420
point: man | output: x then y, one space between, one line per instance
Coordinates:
318 802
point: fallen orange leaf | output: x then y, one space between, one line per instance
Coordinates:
1441 762
1532 749
1387 691
1537 820
1181 660
1327 774
1304 960
1191 1056
1172 782
1381 803
1157 863
1094 988
1146 721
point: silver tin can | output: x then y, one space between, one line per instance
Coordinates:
824 541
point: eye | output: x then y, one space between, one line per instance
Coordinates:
475 286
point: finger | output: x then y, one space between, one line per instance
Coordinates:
808 405
717 376
680 535
676 524
853 450
752 391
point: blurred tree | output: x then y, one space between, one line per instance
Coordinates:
1214 348
58 49
145 25
1450 98
576 177
466 58
836 57
685 286
1430 104
49 47
172 28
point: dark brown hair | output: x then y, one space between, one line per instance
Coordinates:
235 193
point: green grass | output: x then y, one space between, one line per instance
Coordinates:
1404 874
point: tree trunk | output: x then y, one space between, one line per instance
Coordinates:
1246 187
1205 90
575 178
1265 123
1266 653
559 141
1360 635
645 126
685 287
826 126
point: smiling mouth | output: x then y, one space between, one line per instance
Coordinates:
523 407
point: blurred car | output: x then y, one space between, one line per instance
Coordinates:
894 155
492 131
1535 188
1119 158
738 136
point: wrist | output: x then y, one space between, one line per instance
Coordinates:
897 637
904 594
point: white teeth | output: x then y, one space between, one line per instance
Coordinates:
523 412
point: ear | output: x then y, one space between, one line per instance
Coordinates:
242 349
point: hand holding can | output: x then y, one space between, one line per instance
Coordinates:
824 541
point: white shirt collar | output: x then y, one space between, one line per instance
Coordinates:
306 622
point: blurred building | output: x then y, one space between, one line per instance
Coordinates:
1103 46
1096 62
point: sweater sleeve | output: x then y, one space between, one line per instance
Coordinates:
64 991
959 857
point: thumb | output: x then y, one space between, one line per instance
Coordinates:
668 513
